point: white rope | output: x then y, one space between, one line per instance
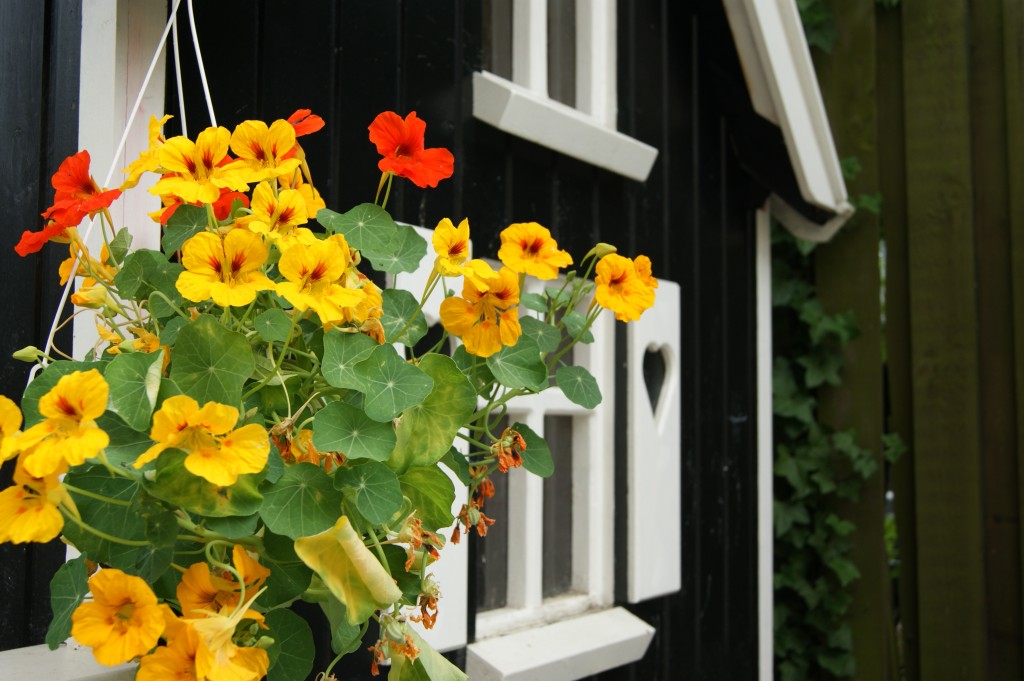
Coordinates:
177 74
202 68
110 173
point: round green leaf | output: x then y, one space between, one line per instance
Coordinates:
534 301
342 352
404 253
68 589
537 455
432 494
367 227
145 271
134 380
302 503
211 363
126 444
475 369
426 431
340 427
579 386
399 307
174 484
186 222
392 385
547 336
292 653
289 576
115 519
273 324
576 325
373 488
519 366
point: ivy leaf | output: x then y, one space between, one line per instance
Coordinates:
456 463
292 652
372 488
344 636
579 386
548 337
186 222
537 456
145 271
134 380
119 246
340 427
68 589
432 493
342 352
519 366
349 571
392 385
273 325
302 503
399 307
211 364
426 430
367 227
404 254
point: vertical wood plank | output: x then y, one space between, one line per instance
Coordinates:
944 340
995 341
892 183
848 278
1013 83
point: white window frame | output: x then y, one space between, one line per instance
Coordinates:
523 108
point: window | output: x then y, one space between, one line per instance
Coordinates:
551 79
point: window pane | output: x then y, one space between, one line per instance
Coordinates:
562 51
557 575
492 550
498 38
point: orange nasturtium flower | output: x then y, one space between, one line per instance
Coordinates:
622 289
226 269
528 248
452 247
121 621
217 451
313 272
69 434
29 509
400 143
202 592
488 319
175 661
199 170
266 151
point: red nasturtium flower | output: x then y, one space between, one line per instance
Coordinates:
400 142
77 195
305 122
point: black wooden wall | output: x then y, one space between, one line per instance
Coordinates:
348 60
39 56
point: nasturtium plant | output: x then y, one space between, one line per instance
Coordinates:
258 423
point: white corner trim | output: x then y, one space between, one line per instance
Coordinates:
784 89
803 228
70 662
570 649
765 450
524 113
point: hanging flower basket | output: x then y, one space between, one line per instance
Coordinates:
259 423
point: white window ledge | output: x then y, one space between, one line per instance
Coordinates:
70 662
566 650
524 113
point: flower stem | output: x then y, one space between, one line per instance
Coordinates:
97 497
101 534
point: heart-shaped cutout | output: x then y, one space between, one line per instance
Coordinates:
655 367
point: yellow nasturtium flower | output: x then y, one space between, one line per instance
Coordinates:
10 422
147 160
219 657
277 218
226 269
217 451
121 621
485 320
314 274
69 434
29 509
452 247
197 170
263 150
527 248
175 661
622 289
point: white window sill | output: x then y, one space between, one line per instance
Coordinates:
524 113
70 662
566 650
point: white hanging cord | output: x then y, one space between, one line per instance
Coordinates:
202 68
177 73
110 173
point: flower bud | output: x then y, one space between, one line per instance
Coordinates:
29 353
600 250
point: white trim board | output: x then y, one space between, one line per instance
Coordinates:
783 89
765 450
70 662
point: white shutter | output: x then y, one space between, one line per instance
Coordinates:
655 555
